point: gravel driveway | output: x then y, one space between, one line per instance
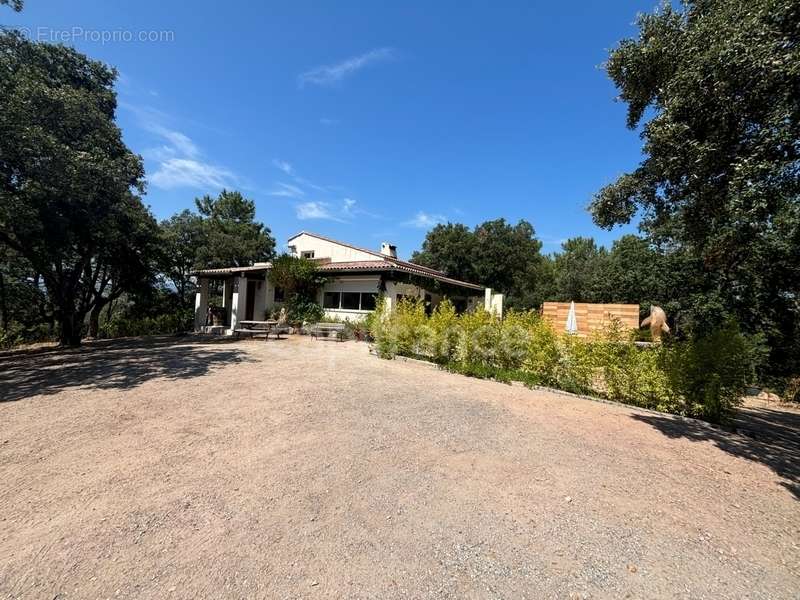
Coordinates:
188 468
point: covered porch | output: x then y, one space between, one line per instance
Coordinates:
227 296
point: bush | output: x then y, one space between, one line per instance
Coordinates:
17 334
127 326
300 309
703 377
712 371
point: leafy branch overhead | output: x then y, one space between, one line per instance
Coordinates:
714 90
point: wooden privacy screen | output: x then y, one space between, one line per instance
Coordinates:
590 317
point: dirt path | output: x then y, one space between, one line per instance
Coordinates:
173 468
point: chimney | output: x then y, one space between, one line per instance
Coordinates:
388 249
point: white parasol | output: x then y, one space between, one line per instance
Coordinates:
572 321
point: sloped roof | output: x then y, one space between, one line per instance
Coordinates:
382 262
389 265
383 257
231 270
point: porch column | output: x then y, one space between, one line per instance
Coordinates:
227 298
493 303
238 300
201 304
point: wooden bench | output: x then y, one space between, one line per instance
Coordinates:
328 331
254 328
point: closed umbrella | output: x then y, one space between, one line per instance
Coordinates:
572 321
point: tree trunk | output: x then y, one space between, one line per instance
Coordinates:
3 305
71 326
94 320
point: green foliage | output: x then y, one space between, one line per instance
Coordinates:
18 334
712 370
578 269
14 4
66 178
713 86
296 275
126 326
496 254
230 234
182 237
441 338
702 377
303 310
300 281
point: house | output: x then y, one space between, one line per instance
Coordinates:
356 278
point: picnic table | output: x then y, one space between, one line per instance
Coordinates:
254 328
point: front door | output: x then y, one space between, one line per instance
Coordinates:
251 300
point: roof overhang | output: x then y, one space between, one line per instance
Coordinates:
378 266
228 271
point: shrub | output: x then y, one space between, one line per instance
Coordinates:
300 309
441 334
16 334
478 338
407 327
127 326
703 377
712 371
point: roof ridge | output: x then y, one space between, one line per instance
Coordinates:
328 239
373 252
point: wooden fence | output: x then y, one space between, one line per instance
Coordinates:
590 317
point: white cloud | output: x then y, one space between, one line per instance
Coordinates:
287 190
424 220
182 143
315 210
283 166
179 159
186 172
330 74
348 206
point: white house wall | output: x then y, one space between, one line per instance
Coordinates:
260 300
325 249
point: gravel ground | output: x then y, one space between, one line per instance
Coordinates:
188 468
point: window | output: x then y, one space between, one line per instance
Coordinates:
279 295
331 299
307 254
368 301
351 300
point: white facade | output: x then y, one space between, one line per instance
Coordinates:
305 245
351 291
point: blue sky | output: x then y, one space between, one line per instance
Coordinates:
366 121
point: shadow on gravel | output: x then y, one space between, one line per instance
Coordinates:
768 436
113 364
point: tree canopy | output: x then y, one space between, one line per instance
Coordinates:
14 4
496 254
230 234
714 88
68 183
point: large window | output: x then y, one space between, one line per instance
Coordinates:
349 300
368 301
307 254
331 299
